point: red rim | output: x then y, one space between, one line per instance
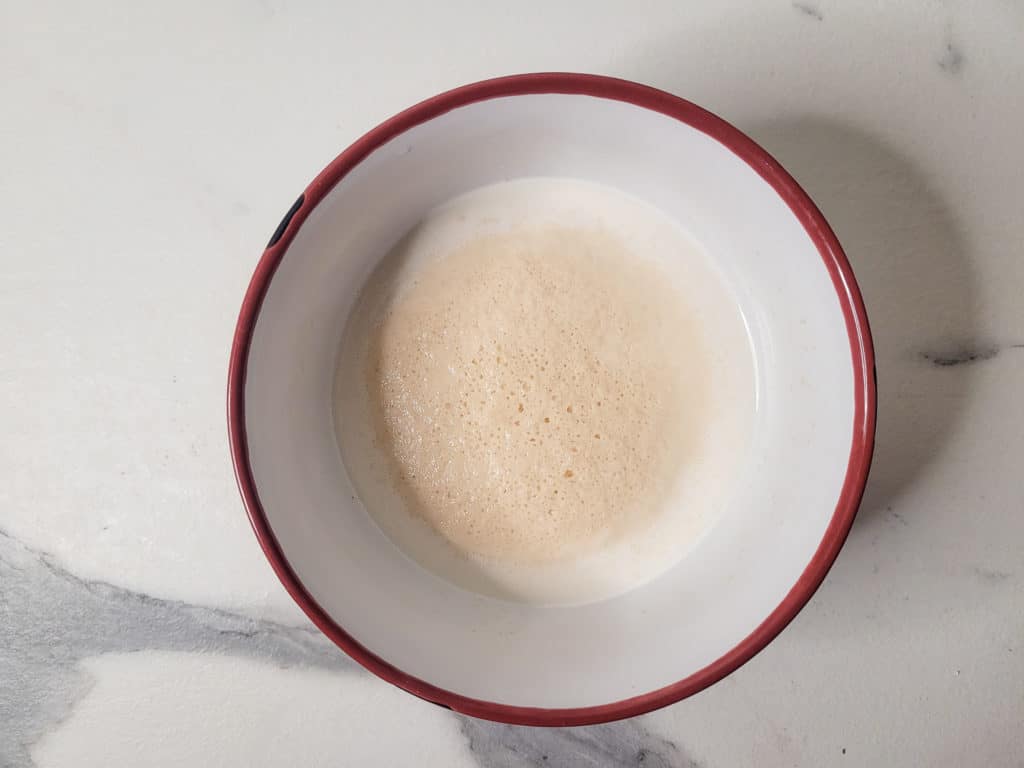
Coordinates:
860 348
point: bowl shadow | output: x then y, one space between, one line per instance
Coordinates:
910 262
909 258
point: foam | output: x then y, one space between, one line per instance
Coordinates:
525 392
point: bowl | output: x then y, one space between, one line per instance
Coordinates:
789 510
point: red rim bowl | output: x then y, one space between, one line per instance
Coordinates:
860 349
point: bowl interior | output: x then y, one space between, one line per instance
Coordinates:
784 496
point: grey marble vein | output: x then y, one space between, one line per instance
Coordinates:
613 745
991 575
50 620
952 59
963 354
809 11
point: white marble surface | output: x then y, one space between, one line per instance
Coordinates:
147 153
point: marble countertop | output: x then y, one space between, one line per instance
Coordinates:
147 154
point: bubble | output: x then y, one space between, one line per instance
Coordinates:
552 307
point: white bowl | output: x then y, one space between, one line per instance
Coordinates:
791 507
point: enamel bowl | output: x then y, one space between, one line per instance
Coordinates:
790 509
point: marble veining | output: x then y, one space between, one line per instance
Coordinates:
62 619
809 11
952 59
613 745
992 575
965 354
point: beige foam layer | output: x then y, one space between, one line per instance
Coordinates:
542 392
521 391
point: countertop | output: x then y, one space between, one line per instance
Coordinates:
149 150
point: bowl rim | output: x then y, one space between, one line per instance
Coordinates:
848 293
